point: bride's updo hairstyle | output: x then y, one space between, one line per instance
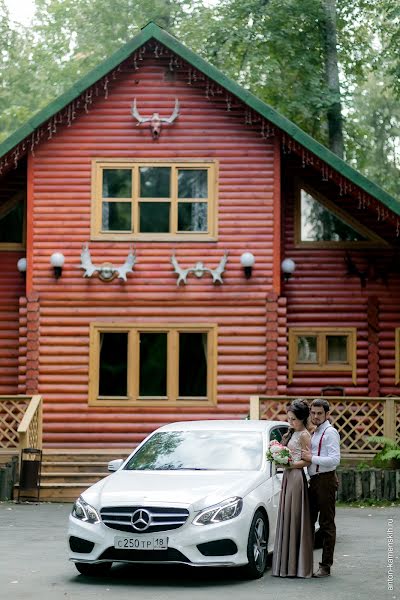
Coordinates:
301 410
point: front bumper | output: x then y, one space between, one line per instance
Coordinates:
231 535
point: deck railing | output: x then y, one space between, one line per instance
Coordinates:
20 422
355 418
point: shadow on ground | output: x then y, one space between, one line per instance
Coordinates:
167 575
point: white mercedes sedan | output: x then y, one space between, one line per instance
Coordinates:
199 492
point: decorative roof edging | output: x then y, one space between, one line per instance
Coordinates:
153 31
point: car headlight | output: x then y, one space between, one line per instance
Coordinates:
228 509
83 511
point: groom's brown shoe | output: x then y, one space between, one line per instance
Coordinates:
322 571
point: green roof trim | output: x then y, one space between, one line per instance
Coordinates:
153 31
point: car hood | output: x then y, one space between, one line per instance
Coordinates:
196 488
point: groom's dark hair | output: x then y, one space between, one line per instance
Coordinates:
321 402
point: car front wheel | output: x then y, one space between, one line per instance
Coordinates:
94 570
257 546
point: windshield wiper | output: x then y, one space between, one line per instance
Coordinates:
190 469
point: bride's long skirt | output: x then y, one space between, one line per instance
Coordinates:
294 539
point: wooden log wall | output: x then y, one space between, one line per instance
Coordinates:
322 293
12 286
60 199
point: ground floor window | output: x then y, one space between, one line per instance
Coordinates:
152 364
322 349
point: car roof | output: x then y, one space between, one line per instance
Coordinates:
222 425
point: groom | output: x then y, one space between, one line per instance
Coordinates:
324 457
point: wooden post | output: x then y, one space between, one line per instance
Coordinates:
254 407
389 418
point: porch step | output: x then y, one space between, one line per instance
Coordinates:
62 492
67 473
73 477
77 467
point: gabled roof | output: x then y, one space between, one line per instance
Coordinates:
153 31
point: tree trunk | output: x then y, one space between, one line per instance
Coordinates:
334 112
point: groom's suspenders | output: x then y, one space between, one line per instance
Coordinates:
320 445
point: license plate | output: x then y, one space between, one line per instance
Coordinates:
140 543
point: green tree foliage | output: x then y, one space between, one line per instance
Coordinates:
16 102
275 48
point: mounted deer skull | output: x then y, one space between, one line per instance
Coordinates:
199 269
155 120
106 271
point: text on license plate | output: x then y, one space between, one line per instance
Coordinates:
140 543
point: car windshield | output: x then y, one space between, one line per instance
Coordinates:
200 450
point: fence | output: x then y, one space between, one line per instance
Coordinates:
355 418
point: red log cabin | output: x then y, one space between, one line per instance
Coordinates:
158 180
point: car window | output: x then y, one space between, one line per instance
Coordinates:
277 433
200 450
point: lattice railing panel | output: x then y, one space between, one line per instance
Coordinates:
12 411
397 420
355 418
274 410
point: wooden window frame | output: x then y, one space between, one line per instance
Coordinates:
397 355
4 209
373 241
97 199
322 364
133 331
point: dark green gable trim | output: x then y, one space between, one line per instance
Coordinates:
153 31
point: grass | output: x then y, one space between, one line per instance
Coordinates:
368 503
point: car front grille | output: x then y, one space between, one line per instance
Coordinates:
170 555
148 519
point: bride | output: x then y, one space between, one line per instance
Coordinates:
293 550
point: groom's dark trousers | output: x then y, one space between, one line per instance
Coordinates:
322 491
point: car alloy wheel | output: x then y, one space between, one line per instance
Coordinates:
257 546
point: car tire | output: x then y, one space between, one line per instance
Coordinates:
94 570
257 546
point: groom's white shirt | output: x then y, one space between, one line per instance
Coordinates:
329 457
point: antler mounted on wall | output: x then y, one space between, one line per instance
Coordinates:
106 271
155 120
199 269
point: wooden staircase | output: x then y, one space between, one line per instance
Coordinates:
67 473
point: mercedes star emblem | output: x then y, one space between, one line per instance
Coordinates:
140 520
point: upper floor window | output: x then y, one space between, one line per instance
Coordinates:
322 349
152 364
319 222
12 223
137 200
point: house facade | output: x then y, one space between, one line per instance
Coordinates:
152 177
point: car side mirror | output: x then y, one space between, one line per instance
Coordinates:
114 465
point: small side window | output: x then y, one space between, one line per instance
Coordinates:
12 223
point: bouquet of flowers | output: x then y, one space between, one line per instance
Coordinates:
279 454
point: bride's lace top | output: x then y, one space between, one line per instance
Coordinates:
295 445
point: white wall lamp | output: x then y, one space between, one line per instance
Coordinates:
57 262
247 261
21 266
288 267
